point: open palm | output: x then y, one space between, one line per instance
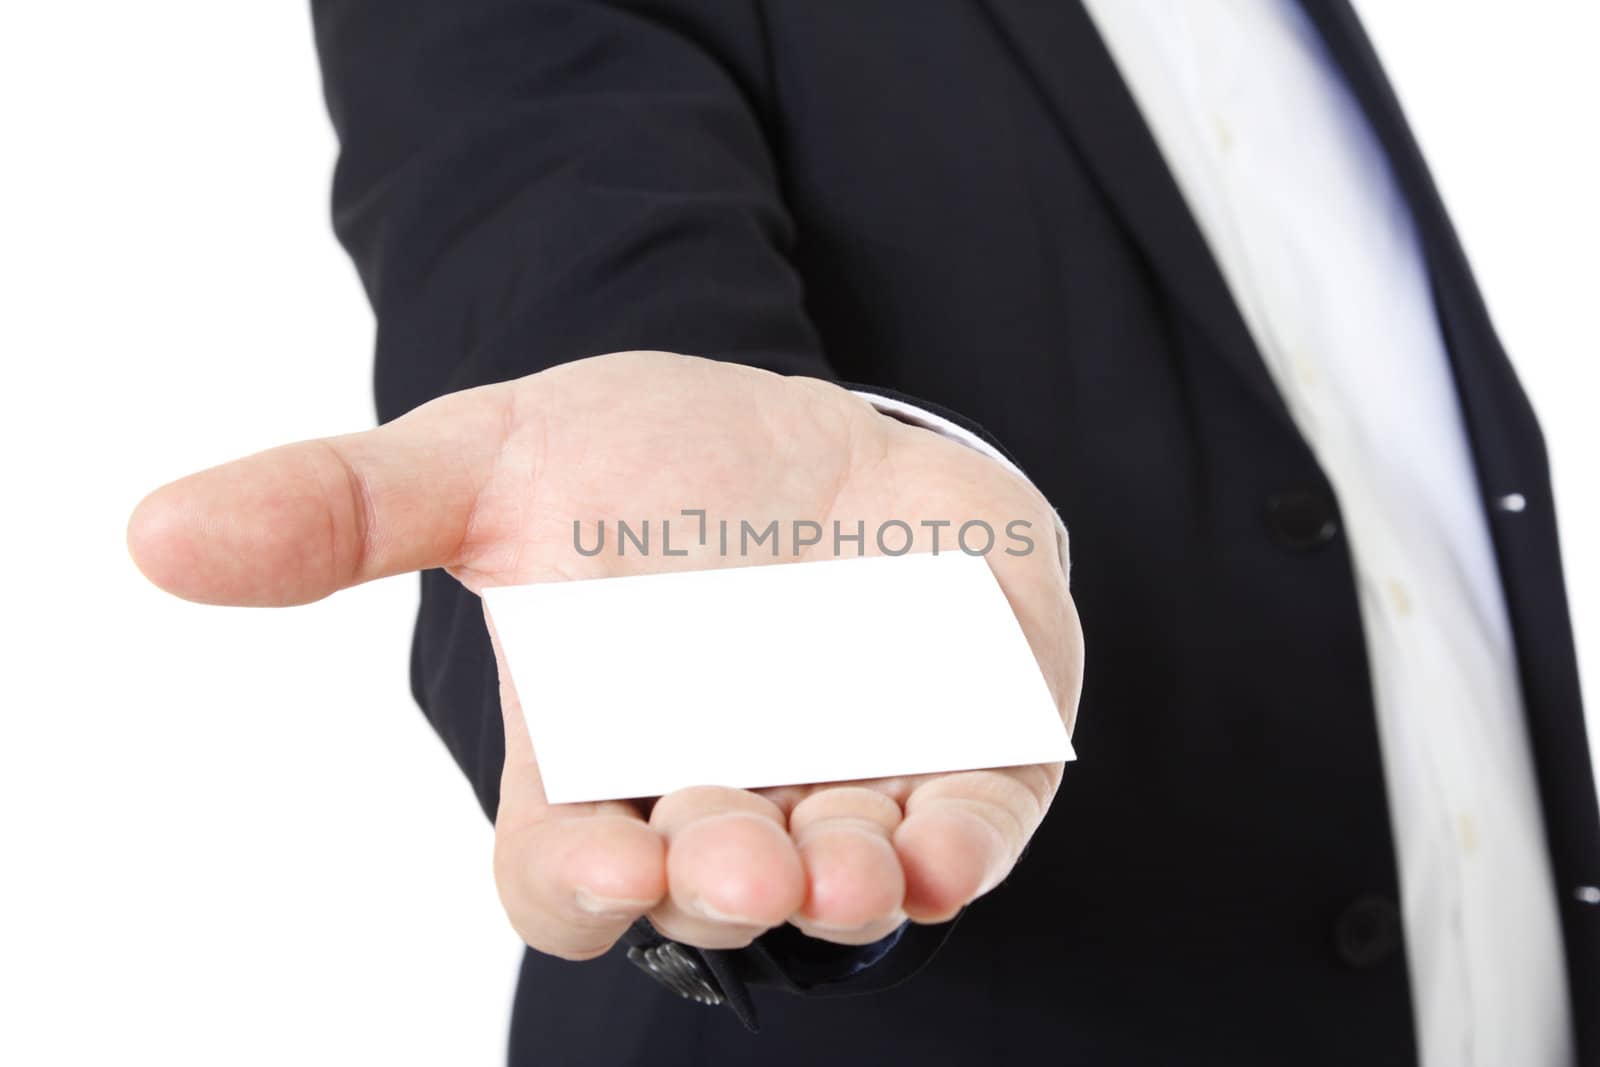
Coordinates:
488 483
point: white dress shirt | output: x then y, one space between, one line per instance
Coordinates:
1301 211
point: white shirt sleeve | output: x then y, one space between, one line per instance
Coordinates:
915 416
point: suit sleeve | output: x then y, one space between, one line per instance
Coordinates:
526 182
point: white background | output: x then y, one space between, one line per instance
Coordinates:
227 836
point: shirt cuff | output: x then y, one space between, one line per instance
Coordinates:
909 413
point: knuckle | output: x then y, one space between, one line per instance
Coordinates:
686 805
1040 781
1018 794
703 935
857 803
862 935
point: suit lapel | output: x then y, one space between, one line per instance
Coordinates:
1509 456
1058 44
1485 381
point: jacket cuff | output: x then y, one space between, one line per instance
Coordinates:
783 959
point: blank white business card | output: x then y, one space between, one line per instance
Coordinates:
774 675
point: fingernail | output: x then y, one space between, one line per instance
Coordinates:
705 910
890 921
608 907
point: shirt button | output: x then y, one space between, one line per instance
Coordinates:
1468 828
1302 518
1367 932
1224 133
1305 369
1399 597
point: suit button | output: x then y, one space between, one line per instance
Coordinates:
1368 931
1302 518
676 968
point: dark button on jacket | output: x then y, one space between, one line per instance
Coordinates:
1302 518
1368 931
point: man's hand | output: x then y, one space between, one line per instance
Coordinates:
487 483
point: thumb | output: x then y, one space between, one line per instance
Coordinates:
293 524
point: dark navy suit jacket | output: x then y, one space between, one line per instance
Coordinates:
958 200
